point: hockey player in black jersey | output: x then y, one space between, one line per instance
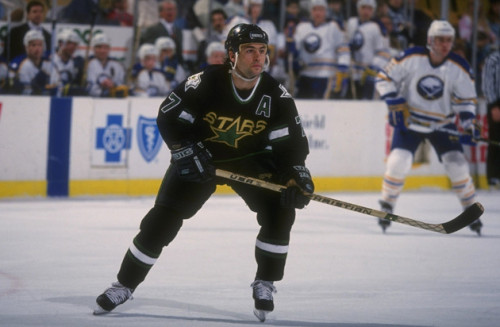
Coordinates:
235 117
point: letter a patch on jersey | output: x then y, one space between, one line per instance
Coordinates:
264 108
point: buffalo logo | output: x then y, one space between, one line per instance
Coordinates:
312 43
430 87
357 41
148 138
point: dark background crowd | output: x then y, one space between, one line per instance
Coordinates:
404 24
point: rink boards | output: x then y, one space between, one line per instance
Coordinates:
85 147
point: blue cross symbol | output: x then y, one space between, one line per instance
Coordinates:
114 138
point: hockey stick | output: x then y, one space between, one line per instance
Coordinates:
464 219
451 132
457 134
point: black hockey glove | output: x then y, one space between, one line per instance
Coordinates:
193 163
298 181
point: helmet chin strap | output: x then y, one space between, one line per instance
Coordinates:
251 79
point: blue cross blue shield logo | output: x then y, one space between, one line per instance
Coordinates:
114 138
148 137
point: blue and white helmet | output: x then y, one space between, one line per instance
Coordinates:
440 28
32 36
99 39
147 50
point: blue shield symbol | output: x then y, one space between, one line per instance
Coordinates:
148 138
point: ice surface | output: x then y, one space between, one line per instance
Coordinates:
57 255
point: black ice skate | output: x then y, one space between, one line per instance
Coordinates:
263 296
385 207
112 297
476 226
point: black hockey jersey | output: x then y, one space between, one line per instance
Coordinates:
207 107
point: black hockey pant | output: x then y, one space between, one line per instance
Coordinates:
178 200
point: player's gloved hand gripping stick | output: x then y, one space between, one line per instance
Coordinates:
193 163
470 215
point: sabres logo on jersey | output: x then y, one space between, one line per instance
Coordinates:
430 87
357 41
312 43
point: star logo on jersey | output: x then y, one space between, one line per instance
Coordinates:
230 135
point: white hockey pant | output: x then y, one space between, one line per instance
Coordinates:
399 164
457 168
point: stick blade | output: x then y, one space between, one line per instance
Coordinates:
466 218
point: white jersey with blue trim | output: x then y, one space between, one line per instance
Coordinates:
96 73
321 48
28 70
369 44
434 93
151 84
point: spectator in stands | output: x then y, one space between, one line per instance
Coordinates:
493 18
170 25
218 19
169 63
216 33
119 13
69 66
336 12
33 74
369 46
234 8
105 75
149 81
400 22
35 15
82 12
321 55
491 90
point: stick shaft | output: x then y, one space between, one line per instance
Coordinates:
464 219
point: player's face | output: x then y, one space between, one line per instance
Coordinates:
101 51
442 45
149 62
251 59
365 13
318 14
70 48
34 50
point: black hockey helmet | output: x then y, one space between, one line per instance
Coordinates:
245 33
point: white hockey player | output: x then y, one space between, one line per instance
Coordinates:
369 49
105 75
425 89
149 80
323 55
69 66
33 74
169 64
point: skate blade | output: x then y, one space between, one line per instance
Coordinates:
98 310
260 314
